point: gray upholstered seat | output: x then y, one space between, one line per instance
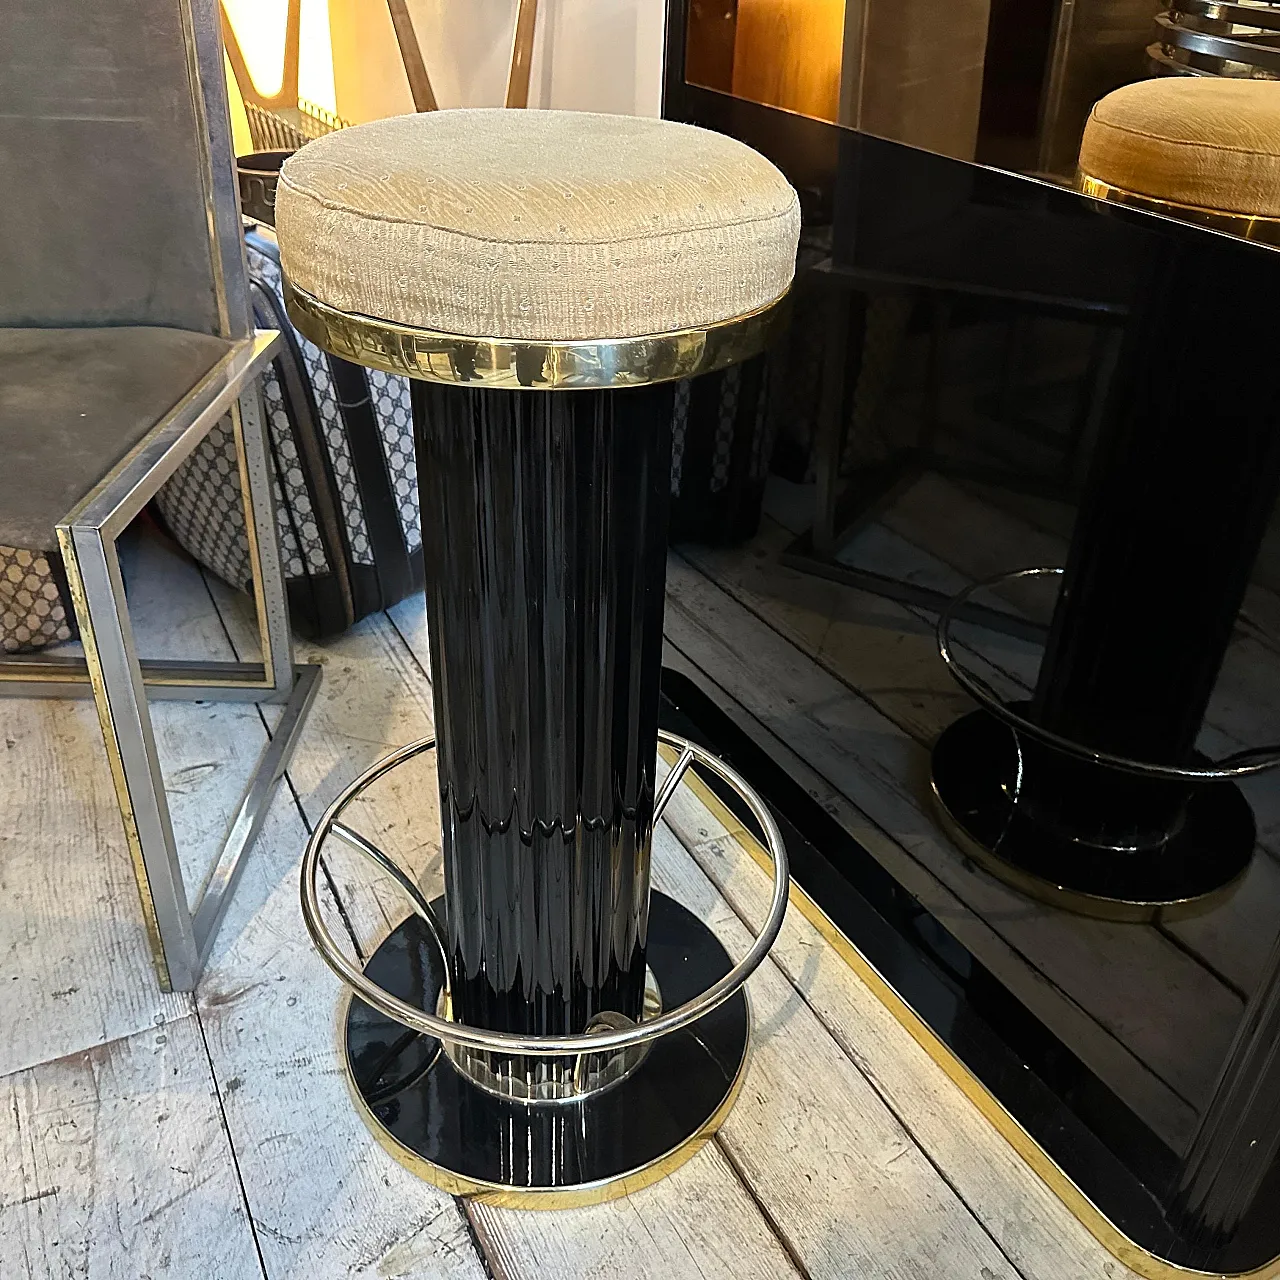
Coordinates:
73 402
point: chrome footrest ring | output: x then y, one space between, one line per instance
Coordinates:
1240 764
596 1042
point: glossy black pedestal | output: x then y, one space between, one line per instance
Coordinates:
444 1127
978 771
544 518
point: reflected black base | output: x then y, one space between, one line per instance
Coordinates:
460 1137
1045 1091
973 763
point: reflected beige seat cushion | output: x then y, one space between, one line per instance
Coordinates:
537 225
1213 143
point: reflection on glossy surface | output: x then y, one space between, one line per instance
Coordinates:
1072 834
1004 82
1058 365
549 1154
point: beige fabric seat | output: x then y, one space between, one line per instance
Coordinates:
1211 144
538 226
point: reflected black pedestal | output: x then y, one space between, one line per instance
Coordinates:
1057 856
1176 503
461 1137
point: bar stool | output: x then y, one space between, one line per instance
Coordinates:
544 277
1092 795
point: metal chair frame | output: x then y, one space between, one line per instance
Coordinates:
181 936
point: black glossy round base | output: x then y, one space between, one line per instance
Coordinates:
973 767
549 1154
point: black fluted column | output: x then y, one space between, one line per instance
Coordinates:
1180 490
1177 501
544 521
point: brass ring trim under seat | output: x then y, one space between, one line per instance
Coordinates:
579 365
1259 228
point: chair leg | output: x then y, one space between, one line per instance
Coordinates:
249 424
97 591
181 937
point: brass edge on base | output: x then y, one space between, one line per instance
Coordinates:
1092 1218
1093 906
574 1197
1262 230
532 366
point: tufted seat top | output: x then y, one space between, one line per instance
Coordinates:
537 226
1207 142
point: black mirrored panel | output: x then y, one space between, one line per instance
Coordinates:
1002 82
988 372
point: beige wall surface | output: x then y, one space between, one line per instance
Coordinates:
589 55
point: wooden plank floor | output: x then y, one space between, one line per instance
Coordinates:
148 1135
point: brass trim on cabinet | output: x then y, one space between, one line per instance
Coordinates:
1091 1217
534 366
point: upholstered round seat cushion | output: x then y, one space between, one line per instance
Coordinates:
537 225
1213 143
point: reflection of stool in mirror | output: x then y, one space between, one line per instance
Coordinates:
1204 150
544 277
1092 795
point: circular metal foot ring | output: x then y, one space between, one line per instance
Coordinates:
974 768
534 1150
1239 764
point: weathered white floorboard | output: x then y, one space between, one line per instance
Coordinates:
380 699
75 966
207 750
884 773
1032 1225
75 962
115 1165
708 1228
325 1199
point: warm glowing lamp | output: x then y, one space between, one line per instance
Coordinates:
281 70
280 65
